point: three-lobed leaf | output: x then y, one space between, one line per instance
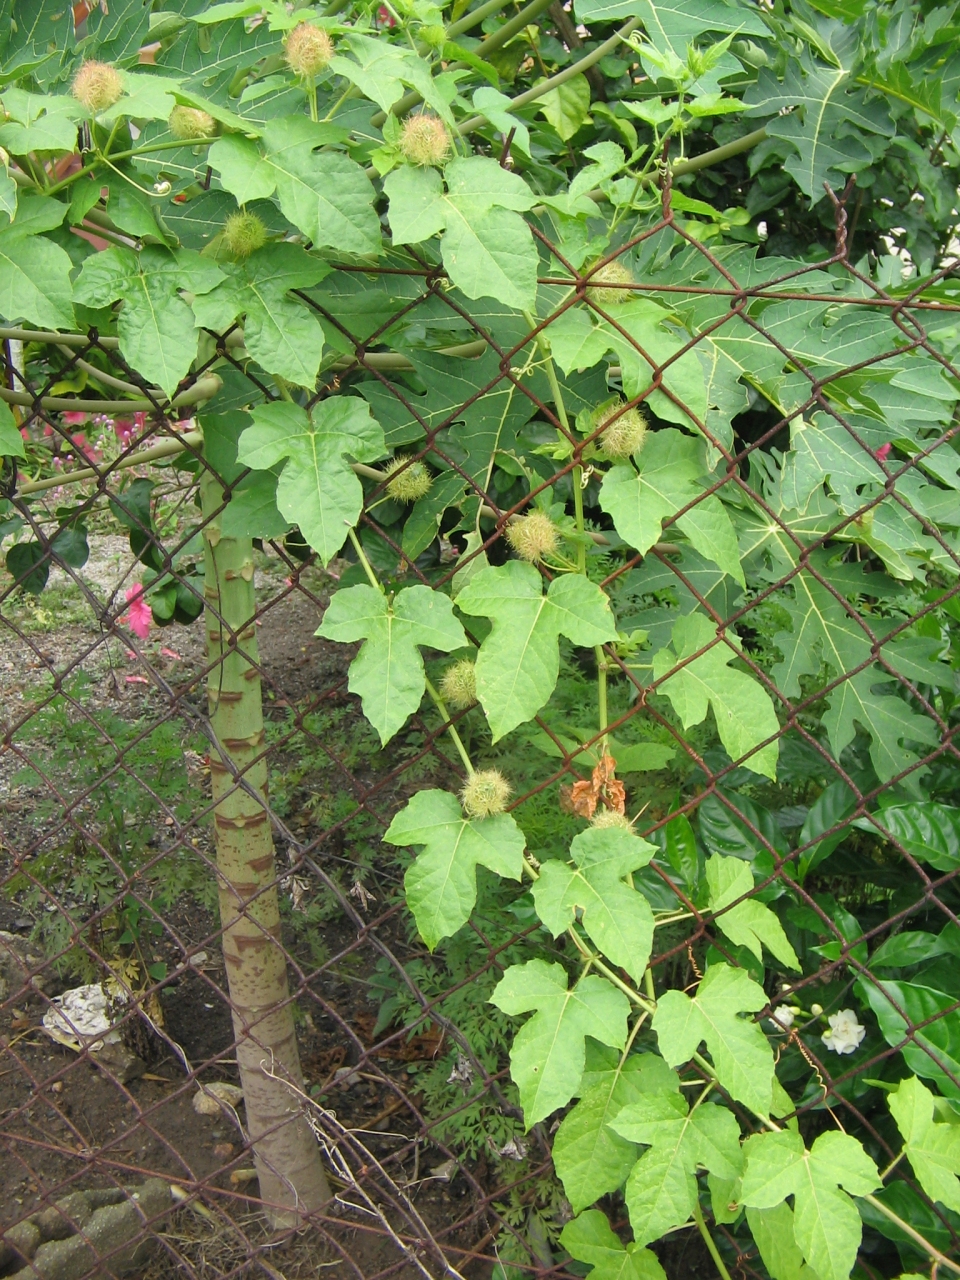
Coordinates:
441 884
615 916
669 475
282 334
317 489
742 708
661 1190
826 1222
548 1052
589 1239
487 248
387 673
745 921
156 326
324 193
590 1157
741 1053
519 661
932 1149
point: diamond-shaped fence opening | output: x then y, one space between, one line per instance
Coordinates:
126 1145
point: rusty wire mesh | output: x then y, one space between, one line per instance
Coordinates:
410 1199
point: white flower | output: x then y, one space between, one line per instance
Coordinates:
845 1032
782 1017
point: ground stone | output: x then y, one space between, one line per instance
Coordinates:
116 1230
65 1217
22 1239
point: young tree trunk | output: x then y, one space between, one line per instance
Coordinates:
286 1153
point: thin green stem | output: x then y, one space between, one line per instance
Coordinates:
281 385
474 17
118 155
312 99
633 996
648 985
602 694
166 449
450 727
671 919
709 1241
362 557
939 1258
338 104
576 475
641 1019
554 82
150 195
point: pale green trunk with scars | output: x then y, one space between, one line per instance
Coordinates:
286 1153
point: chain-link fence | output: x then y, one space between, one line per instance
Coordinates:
122 1126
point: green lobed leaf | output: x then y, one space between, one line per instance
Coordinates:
823 631
388 672
826 1222
590 1158
519 661
589 1239
441 885
670 472
932 1149
661 1191
38 122
616 917
773 1233
317 489
35 272
487 248
742 708
741 1053
324 193
567 107
832 128
747 922
281 333
547 1056
156 327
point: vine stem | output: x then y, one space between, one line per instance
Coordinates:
708 1240
362 557
940 1259
450 726
641 1019
633 996
168 448
576 476
601 695
561 77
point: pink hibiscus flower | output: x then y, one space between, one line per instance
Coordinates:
139 616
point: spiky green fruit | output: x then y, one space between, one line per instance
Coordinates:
485 794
